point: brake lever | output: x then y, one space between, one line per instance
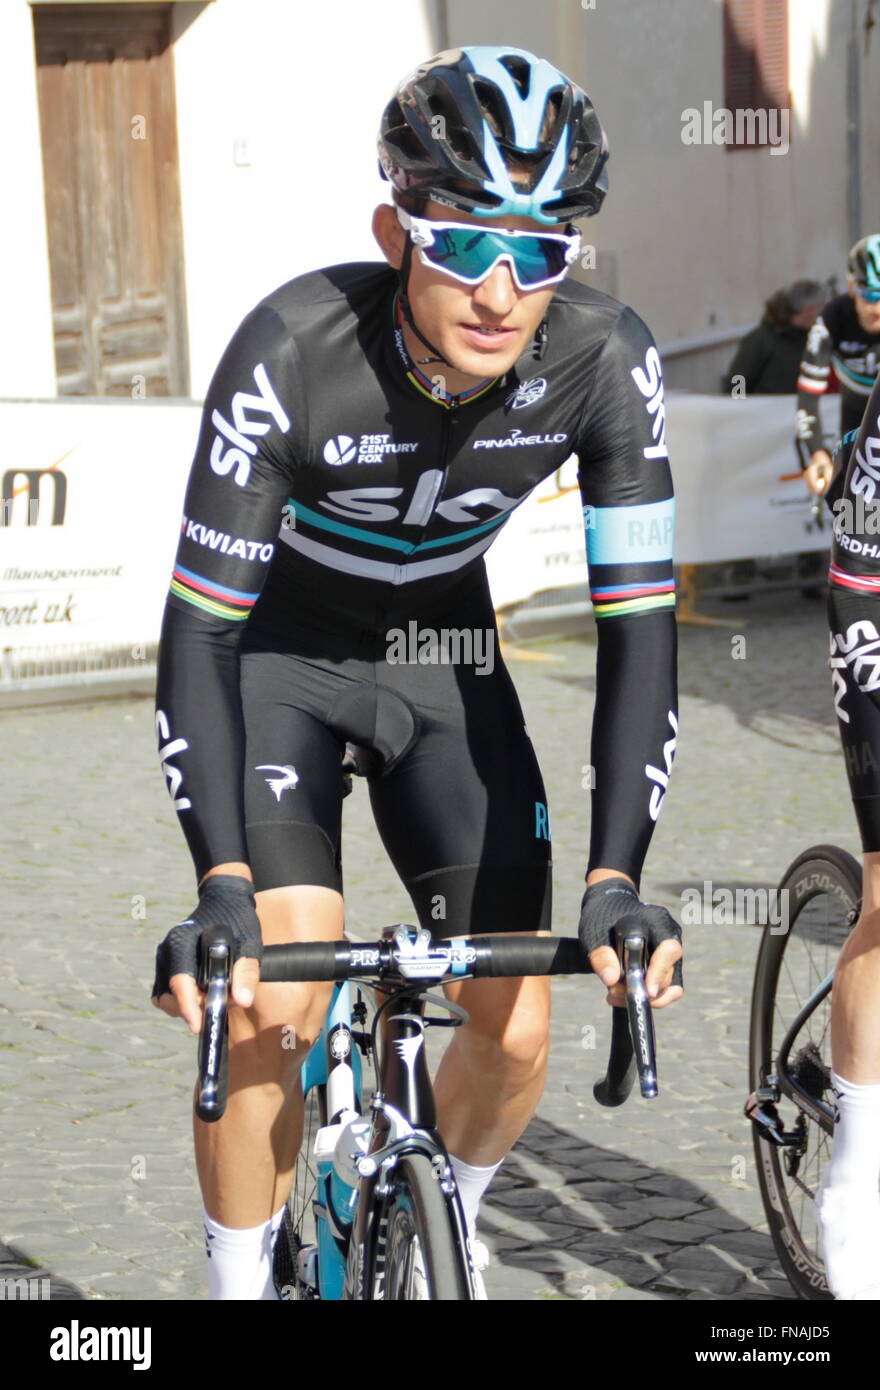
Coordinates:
633 1049
632 950
215 956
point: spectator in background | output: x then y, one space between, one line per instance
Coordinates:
768 358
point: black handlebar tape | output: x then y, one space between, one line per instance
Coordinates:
314 960
216 948
510 956
496 956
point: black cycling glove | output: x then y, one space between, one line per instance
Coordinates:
606 902
225 900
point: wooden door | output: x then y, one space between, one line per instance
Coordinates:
109 136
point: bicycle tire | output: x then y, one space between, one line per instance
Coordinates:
422 1260
298 1224
823 886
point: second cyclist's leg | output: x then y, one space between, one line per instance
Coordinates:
849 1204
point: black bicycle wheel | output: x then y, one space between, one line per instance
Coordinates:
819 892
298 1226
422 1259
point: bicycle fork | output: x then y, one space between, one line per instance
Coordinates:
404 1121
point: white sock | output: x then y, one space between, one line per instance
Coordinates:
848 1201
472 1183
240 1260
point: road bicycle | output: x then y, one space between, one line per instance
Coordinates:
374 1213
791 1105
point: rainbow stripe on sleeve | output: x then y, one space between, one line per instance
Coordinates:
211 597
610 600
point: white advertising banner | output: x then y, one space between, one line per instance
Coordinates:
92 498
738 486
92 494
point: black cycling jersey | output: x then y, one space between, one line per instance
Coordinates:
336 488
854 615
836 340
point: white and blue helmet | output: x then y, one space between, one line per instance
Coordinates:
495 132
864 264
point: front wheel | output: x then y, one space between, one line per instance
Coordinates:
422 1259
819 895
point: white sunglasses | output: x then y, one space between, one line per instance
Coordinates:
468 253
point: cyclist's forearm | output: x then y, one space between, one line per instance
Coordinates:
810 438
812 383
201 738
634 731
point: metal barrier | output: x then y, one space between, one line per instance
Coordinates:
75 670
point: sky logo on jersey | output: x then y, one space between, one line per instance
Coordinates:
371 449
649 380
243 430
858 648
166 751
817 335
866 471
527 393
658 775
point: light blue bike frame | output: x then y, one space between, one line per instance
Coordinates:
335 1063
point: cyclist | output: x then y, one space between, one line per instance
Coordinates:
341 496
848 1204
846 336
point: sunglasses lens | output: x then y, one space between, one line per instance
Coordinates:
871 296
470 255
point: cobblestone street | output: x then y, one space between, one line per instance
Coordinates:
656 1200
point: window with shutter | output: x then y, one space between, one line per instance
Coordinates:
755 65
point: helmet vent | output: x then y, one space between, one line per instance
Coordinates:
519 71
492 106
552 114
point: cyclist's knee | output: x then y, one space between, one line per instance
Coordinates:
272 1038
275 1034
515 1042
300 912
